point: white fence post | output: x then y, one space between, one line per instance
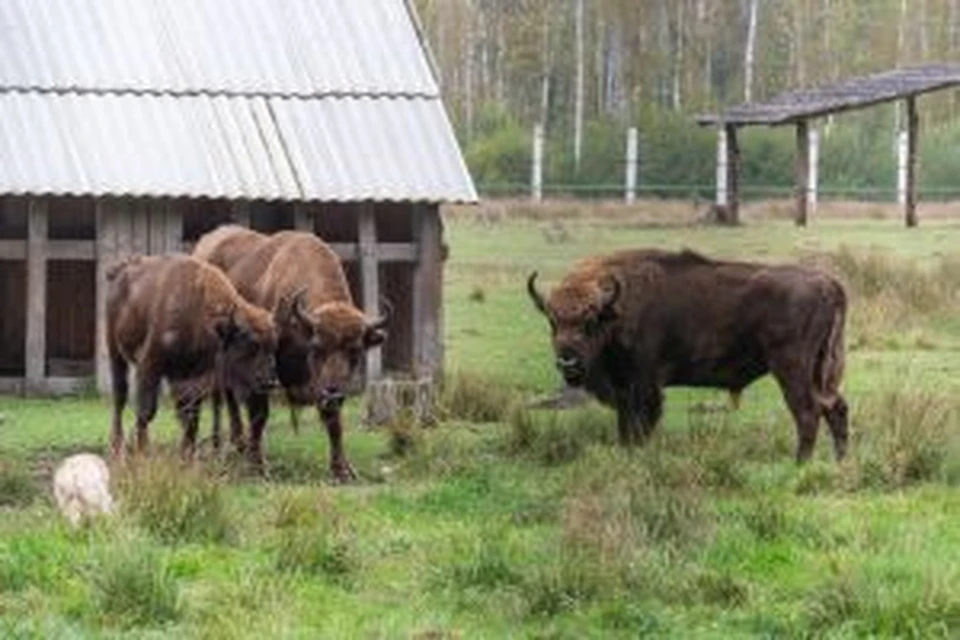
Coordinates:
814 172
536 182
902 149
721 167
631 177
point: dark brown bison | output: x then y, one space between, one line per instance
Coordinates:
176 318
629 324
322 336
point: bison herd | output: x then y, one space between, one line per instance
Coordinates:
249 312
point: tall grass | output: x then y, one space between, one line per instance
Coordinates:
174 501
17 486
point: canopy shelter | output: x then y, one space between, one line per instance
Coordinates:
799 107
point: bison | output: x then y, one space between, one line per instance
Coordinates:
322 336
176 318
628 324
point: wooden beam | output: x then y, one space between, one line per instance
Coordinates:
139 213
13 249
733 176
913 126
51 386
173 226
72 250
802 173
427 294
303 217
107 214
11 386
386 251
240 212
36 338
370 277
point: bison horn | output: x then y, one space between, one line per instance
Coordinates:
381 321
534 294
300 307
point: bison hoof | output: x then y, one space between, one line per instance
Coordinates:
342 472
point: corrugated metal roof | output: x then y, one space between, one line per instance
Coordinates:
332 149
286 47
259 99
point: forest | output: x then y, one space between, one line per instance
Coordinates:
589 69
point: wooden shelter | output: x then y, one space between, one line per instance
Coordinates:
798 108
138 137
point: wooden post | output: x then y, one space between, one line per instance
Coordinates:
173 225
427 294
302 217
802 172
913 125
36 335
536 181
733 176
106 215
370 276
814 170
722 171
240 212
631 170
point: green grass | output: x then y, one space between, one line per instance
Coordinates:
501 521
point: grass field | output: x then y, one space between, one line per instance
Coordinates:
502 521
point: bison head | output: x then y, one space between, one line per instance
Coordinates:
580 312
248 342
329 342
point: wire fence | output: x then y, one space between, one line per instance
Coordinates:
707 192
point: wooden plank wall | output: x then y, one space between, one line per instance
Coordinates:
126 226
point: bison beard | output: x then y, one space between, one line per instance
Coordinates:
176 318
629 324
322 335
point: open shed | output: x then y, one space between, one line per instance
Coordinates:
136 126
798 108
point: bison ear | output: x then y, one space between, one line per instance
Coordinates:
609 294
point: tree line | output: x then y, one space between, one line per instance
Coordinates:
588 69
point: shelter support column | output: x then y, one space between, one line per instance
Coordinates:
36 334
106 252
370 277
802 172
427 292
913 126
732 214
302 217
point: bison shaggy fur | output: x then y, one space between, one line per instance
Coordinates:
323 336
628 324
176 318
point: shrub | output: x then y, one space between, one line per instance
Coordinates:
175 502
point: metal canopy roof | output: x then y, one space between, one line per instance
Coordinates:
855 93
257 99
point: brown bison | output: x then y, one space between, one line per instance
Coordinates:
322 336
629 324
179 319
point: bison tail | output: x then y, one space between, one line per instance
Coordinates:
832 358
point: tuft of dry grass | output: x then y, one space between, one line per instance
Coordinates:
175 501
472 398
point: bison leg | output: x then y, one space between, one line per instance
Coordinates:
216 402
798 393
236 421
339 466
188 411
836 416
638 413
148 388
258 409
121 389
